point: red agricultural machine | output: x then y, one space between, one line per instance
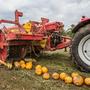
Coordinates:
31 37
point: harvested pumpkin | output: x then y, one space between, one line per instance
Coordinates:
74 74
55 76
22 62
87 81
44 70
17 64
63 75
23 65
78 80
29 65
9 65
68 79
38 71
46 76
38 67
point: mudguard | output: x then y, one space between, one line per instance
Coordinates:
81 24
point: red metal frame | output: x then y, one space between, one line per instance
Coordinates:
66 41
23 39
16 22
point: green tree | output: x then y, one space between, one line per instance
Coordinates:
69 31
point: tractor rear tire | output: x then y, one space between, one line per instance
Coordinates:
80 50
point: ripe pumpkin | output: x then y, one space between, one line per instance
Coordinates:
9 65
87 81
68 79
78 80
23 65
17 64
55 76
74 74
38 67
44 69
22 62
29 65
46 76
63 75
38 71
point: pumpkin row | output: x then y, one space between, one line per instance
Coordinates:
74 78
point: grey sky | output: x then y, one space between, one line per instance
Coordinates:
68 11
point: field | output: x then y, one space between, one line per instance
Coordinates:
58 61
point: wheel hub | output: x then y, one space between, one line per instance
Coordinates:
84 49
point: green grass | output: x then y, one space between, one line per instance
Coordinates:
57 61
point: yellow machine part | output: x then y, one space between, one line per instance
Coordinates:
27 26
43 43
15 30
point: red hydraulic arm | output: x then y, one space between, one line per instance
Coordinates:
16 22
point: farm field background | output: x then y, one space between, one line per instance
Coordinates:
58 61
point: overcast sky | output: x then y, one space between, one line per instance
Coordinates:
67 11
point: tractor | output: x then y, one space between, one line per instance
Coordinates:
80 44
32 37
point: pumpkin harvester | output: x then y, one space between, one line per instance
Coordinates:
31 37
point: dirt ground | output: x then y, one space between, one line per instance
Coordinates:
27 80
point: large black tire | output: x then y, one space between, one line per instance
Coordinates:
80 52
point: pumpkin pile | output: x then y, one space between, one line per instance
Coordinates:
75 78
63 76
20 64
23 65
66 78
42 70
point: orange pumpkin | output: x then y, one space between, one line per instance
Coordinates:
9 65
38 71
68 80
78 80
46 76
38 67
22 62
29 65
44 69
55 76
74 74
87 81
23 65
17 64
63 75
